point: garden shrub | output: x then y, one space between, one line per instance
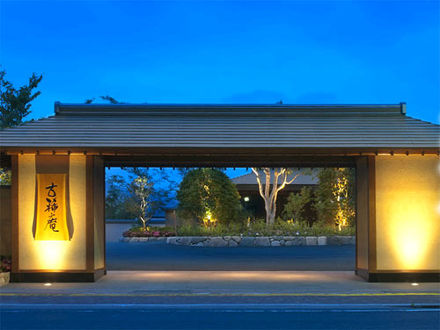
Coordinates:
294 209
209 191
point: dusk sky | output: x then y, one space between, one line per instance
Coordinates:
301 52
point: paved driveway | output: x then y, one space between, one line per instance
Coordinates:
162 256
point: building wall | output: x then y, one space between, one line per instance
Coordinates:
51 255
408 212
5 221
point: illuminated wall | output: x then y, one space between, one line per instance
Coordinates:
407 212
51 255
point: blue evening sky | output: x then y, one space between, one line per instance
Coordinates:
226 51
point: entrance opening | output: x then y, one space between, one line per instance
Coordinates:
207 218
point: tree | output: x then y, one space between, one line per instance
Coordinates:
117 199
295 207
270 187
143 202
15 103
334 197
5 177
209 196
108 98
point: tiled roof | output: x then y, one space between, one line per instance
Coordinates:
224 126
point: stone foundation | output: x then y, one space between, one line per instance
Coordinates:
261 241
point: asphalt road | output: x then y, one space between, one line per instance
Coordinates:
162 256
232 316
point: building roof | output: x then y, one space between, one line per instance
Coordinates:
129 126
302 179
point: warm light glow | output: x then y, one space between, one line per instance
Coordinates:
246 199
51 255
407 221
208 219
415 284
47 284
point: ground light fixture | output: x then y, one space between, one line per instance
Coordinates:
415 284
47 284
246 199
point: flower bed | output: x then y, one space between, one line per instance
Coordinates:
156 232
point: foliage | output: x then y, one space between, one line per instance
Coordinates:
143 204
5 263
260 228
5 177
139 197
206 191
285 228
149 232
15 103
108 98
334 197
295 207
117 199
217 230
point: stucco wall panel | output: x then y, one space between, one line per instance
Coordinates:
51 255
407 212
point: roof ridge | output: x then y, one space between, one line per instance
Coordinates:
126 109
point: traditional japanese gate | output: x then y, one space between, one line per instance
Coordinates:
58 175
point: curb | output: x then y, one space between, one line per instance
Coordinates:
247 241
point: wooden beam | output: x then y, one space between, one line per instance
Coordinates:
372 248
14 214
90 215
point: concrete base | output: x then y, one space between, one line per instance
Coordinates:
41 277
398 276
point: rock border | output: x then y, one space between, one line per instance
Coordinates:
4 278
248 241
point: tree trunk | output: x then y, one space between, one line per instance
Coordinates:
269 190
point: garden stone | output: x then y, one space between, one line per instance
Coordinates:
237 239
311 240
296 241
196 240
200 244
185 240
275 243
345 240
262 241
322 240
247 241
232 243
171 240
217 242
4 278
333 240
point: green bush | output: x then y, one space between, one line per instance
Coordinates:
296 203
206 190
335 196
255 228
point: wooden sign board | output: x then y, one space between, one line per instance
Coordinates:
51 212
